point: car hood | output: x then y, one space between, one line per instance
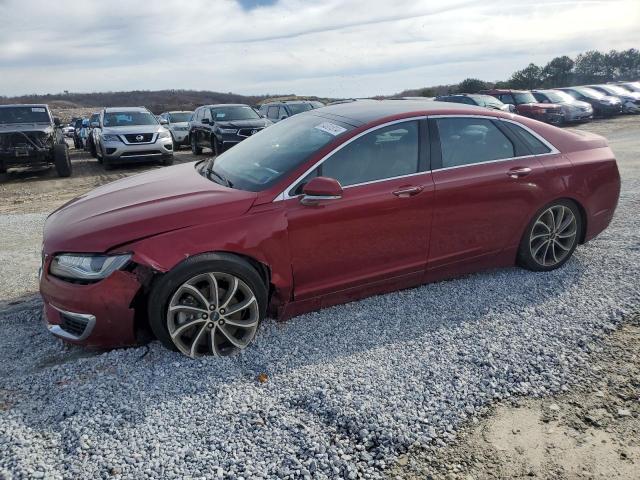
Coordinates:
25 127
133 129
257 123
141 206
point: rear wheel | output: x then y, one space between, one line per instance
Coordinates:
209 305
551 237
195 149
61 160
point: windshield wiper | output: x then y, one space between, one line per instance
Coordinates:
211 172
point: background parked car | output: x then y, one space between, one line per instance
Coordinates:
603 105
630 100
94 134
132 133
30 137
574 110
276 111
220 127
631 86
478 99
178 125
527 105
68 130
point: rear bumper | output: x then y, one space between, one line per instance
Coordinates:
98 315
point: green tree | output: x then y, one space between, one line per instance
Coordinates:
590 67
558 72
629 64
471 85
527 78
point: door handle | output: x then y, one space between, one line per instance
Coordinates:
518 172
408 191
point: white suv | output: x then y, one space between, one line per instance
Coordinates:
178 125
130 134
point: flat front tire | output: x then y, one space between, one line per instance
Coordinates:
210 304
551 237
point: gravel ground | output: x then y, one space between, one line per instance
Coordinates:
339 393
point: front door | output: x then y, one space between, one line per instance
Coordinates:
380 227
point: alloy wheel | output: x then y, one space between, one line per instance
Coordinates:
212 313
553 235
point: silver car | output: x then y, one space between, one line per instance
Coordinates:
132 133
178 125
572 109
630 100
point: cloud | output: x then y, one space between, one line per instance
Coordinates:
330 48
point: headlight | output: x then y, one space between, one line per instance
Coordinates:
164 134
87 267
110 138
228 130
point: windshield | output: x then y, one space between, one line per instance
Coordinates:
180 117
24 115
299 107
559 97
524 97
126 119
264 158
589 92
232 113
614 89
490 100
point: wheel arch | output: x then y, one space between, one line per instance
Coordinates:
583 216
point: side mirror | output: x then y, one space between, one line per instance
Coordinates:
512 108
56 121
206 121
164 121
95 124
320 189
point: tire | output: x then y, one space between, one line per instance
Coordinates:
107 164
195 149
551 237
92 148
208 319
216 147
61 160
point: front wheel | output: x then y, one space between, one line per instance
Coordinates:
61 160
210 304
551 237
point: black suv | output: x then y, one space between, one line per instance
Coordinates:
220 127
30 137
276 111
478 99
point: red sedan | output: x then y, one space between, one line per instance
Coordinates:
326 207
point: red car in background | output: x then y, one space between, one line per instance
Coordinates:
527 105
325 207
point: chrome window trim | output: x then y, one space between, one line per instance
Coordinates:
285 194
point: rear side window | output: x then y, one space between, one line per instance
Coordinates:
468 140
535 145
384 153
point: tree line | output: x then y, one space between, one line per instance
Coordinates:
590 67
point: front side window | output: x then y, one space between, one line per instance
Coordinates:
272 112
384 153
126 119
465 141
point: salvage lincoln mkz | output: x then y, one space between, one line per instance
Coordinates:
325 207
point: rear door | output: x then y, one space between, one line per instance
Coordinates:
488 181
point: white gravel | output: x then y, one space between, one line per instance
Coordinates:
349 388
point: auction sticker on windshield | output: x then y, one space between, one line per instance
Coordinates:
38 109
331 128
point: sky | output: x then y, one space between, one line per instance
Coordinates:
328 48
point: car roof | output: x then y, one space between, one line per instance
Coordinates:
40 105
125 109
226 105
366 111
